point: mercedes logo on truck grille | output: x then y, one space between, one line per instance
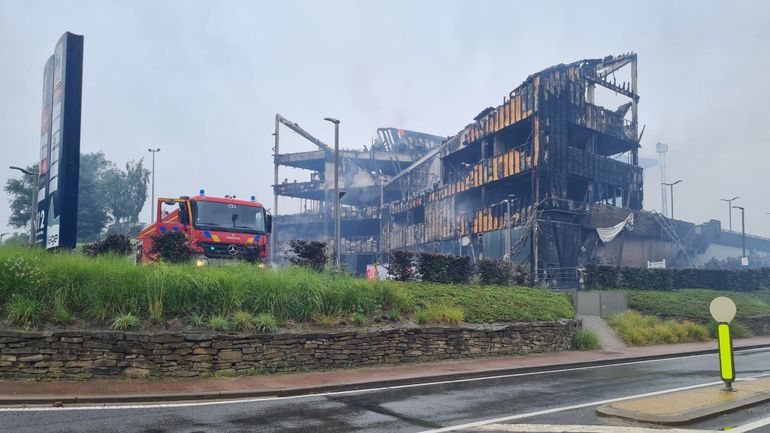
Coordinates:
232 249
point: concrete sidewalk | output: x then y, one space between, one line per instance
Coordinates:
123 390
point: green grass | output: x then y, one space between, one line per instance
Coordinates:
23 310
243 321
394 315
359 319
72 288
265 322
197 320
421 316
125 321
444 314
637 329
695 303
219 323
483 304
585 340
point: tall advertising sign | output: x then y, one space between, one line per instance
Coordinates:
60 207
41 198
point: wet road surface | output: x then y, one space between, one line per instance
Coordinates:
420 408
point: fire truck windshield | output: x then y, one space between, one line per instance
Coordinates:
229 217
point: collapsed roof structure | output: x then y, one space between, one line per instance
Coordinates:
549 179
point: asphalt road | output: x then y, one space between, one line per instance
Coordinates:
508 403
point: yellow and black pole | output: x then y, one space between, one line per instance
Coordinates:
723 311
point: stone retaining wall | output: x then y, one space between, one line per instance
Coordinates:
101 354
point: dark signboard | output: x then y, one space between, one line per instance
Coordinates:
45 153
58 211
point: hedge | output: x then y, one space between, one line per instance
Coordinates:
444 268
610 277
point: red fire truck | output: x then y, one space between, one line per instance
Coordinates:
218 229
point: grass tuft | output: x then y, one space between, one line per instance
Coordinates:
265 322
197 320
125 321
359 319
24 311
421 316
219 323
243 321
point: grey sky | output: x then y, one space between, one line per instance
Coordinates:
202 80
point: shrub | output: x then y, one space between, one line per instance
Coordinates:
737 330
119 245
638 330
494 272
741 280
360 319
172 247
125 321
585 340
401 265
309 254
24 311
444 314
265 322
219 323
444 268
243 321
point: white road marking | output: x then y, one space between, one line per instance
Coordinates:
113 406
563 409
751 426
566 428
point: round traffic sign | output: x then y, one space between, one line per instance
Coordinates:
722 309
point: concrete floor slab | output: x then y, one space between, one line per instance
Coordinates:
688 406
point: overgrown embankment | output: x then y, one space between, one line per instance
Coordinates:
67 290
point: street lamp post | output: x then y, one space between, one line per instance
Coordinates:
671 185
33 207
336 191
743 230
730 209
507 254
152 197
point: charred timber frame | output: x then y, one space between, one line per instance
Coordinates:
548 148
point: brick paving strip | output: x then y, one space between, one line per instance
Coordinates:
126 390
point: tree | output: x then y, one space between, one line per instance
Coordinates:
106 194
20 189
93 212
127 191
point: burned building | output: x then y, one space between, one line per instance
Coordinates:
549 178
361 177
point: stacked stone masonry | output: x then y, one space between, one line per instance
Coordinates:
102 354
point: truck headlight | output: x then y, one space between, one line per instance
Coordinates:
201 261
